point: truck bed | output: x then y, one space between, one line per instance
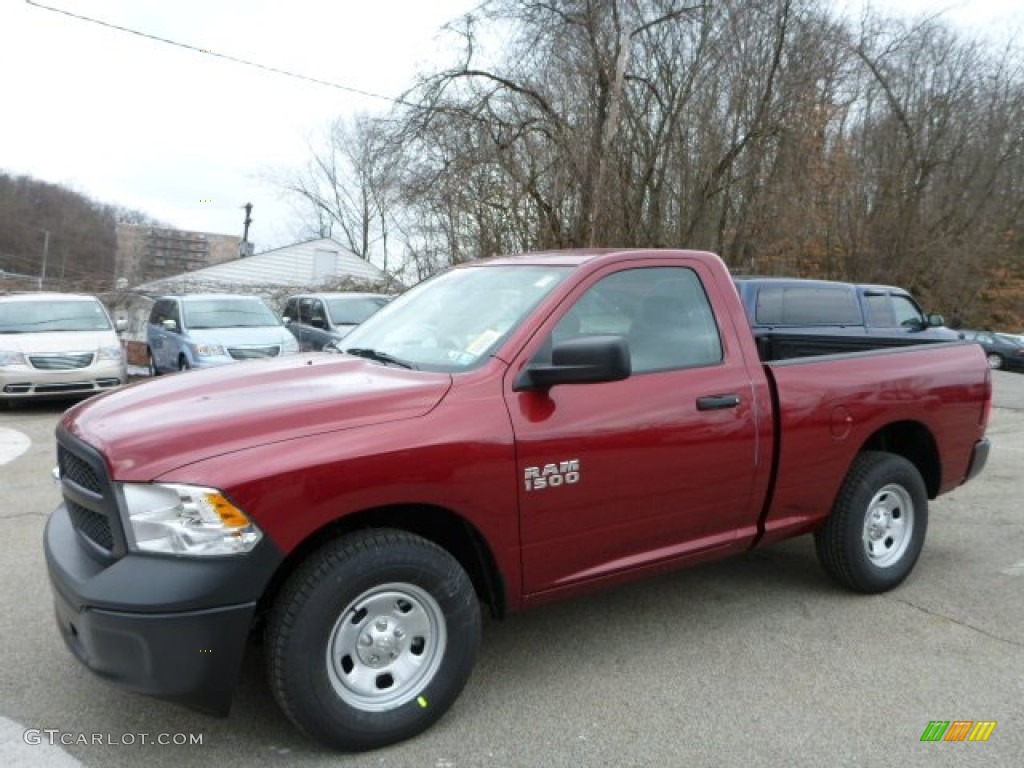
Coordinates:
830 407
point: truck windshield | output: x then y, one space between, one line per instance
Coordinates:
228 313
454 322
52 315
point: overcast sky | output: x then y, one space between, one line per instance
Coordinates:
187 137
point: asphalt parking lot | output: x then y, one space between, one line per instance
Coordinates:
754 661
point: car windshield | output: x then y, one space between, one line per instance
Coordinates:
453 322
52 315
228 313
353 310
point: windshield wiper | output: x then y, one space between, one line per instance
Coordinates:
380 357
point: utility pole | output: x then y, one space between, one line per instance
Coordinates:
46 252
246 250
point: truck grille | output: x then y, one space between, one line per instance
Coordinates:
89 498
92 525
77 470
64 361
253 353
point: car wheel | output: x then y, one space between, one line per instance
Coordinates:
875 532
153 370
994 360
183 364
372 639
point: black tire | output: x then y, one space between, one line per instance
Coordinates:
372 639
183 364
153 370
875 532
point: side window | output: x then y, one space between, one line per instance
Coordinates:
159 312
662 312
880 314
317 315
908 314
174 313
305 307
807 305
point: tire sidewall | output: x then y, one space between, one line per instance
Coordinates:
886 470
322 712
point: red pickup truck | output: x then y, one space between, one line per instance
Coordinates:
511 432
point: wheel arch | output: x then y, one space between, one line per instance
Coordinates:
446 529
915 442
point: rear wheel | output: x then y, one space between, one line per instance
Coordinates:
372 639
875 532
994 360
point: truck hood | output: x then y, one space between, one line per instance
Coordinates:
151 428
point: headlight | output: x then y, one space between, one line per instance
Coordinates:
208 350
109 353
186 520
10 357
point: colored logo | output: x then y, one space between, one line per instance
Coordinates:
958 730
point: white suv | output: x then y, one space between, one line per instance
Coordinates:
57 345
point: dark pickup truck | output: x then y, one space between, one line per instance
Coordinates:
509 433
793 317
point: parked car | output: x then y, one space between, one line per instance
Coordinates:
56 345
317 319
207 330
1003 350
793 317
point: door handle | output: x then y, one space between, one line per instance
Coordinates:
717 402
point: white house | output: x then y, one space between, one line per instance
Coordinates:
302 265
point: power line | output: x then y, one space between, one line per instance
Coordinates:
226 57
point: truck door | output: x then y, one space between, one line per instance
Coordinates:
657 467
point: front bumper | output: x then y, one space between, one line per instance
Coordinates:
174 628
27 383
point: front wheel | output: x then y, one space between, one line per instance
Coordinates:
995 361
183 364
372 639
875 532
153 370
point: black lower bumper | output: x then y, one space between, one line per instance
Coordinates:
174 628
979 457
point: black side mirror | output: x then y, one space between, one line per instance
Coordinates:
584 360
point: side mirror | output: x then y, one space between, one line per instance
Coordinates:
584 360
169 325
936 321
318 322
286 320
121 324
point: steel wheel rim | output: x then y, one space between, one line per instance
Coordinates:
888 525
386 647
995 361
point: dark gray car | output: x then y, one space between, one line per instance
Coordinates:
317 319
